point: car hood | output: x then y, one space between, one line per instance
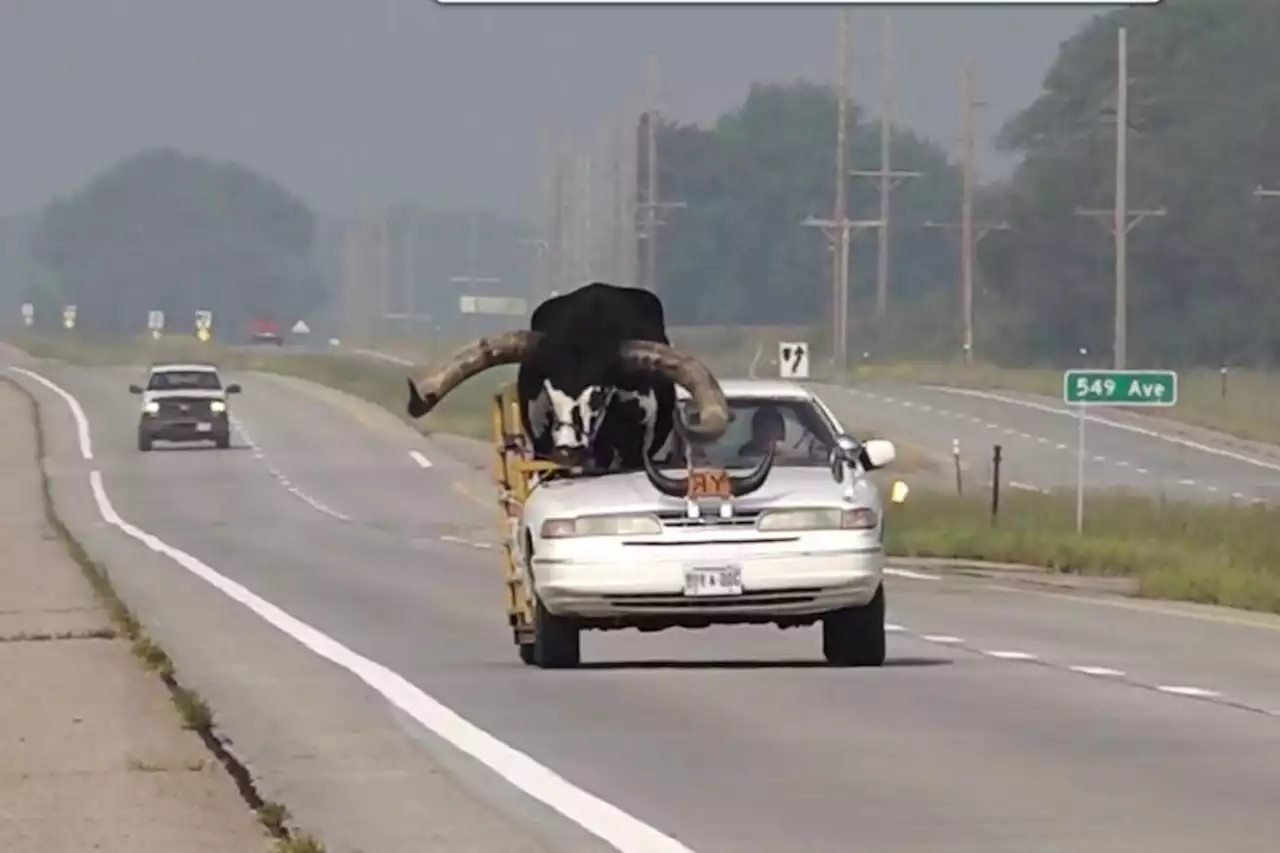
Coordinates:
192 394
632 492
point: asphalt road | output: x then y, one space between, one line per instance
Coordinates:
1007 719
1040 438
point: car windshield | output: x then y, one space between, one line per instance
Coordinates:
802 434
184 380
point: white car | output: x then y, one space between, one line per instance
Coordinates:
611 551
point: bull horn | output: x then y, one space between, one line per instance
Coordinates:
506 348
685 370
678 487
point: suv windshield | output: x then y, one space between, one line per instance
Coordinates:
802 435
184 380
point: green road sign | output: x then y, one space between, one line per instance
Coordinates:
1120 387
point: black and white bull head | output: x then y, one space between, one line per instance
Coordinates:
567 389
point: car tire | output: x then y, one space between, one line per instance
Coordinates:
144 442
222 442
855 636
557 642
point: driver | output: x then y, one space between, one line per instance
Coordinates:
767 428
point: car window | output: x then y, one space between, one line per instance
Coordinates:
802 434
184 380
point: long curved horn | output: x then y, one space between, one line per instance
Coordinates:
506 348
683 369
678 487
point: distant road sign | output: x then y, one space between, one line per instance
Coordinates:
793 360
28 313
300 328
155 320
1120 387
203 334
69 316
204 319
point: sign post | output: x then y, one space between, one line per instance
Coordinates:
793 360
155 322
69 317
28 313
1085 388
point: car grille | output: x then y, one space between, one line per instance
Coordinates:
180 409
678 520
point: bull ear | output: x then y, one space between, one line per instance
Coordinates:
507 348
748 483
708 399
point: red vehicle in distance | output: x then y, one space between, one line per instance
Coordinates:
265 331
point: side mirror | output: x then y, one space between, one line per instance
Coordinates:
134 389
233 388
877 453
844 453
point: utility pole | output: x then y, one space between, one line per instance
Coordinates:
887 178
384 275
411 271
838 229
651 206
1123 220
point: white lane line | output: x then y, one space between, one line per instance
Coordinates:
1187 482
621 830
942 639
907 573
1062 447
1097 670
420 459
893 629
1122 463
1238 495
1010 655
1148 433
77 411
1213 489
1099 459
1142 470
1195 692
1042 439
282 478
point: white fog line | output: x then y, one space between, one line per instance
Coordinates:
619 829
77 411
420 459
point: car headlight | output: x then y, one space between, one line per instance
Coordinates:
217 406
601 525
854 518
151 408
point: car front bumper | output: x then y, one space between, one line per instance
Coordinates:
799 584
215 428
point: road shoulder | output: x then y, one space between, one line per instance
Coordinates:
95 756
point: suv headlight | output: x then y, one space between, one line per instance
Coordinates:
601 525
854 518
151 408
217 406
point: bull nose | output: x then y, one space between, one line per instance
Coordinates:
567 455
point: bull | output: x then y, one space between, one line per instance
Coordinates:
596 384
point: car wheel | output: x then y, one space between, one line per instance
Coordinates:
223 442
854 636
144 441
556 640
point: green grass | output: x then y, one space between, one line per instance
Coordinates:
1213 554
1250 408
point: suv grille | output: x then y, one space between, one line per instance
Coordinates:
183 408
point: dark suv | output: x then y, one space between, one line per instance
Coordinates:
184 402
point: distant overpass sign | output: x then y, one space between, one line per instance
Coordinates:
504 305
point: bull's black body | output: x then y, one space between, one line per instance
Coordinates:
578 358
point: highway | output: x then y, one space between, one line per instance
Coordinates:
1039 439
330 585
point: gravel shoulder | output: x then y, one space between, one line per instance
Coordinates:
93 755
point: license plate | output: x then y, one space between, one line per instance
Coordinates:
204 427
713 580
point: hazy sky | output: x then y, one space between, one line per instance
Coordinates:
351 102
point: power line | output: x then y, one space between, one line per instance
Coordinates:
1123 220
886 176
649 210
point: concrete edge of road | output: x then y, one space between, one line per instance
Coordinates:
192 709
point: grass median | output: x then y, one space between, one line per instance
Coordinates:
1225 554
1246 404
